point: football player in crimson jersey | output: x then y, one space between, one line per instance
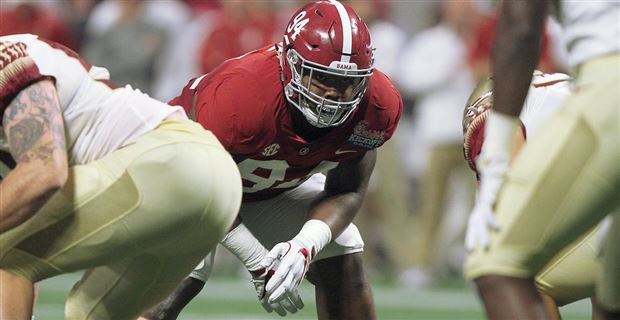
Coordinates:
302 119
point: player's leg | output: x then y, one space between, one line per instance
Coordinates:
502 290
163 256
135 283
171 307
16 295
561 185
188 289
156 197
342 289
597 313
281 218
608 286
551 306
571 275
21 268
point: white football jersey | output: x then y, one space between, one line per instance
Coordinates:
546 95
98 117
591 29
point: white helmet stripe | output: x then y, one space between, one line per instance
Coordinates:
346 30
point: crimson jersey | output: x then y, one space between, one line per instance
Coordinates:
242 102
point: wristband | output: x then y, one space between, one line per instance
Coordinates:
494 159
315 234
242 243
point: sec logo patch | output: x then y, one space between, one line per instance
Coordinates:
271 149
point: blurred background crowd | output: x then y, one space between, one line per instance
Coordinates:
416 210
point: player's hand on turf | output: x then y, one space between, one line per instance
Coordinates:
259 278
492 170
242 243
293 258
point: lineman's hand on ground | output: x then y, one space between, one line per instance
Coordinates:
293 259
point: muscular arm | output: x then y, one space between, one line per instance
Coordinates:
344 191
34 129
516 52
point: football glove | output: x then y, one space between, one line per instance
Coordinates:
481 220
242 243
259 278
293 258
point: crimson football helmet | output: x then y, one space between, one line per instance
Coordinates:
326 41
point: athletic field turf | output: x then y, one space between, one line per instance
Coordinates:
229 298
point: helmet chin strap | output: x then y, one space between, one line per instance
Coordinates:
280 51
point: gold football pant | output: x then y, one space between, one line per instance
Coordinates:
139 219
571 275
562 184
608 285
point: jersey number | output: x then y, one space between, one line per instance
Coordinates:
277 174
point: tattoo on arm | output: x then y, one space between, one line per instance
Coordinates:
33 124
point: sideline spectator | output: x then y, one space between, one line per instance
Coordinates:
41 18
440 84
